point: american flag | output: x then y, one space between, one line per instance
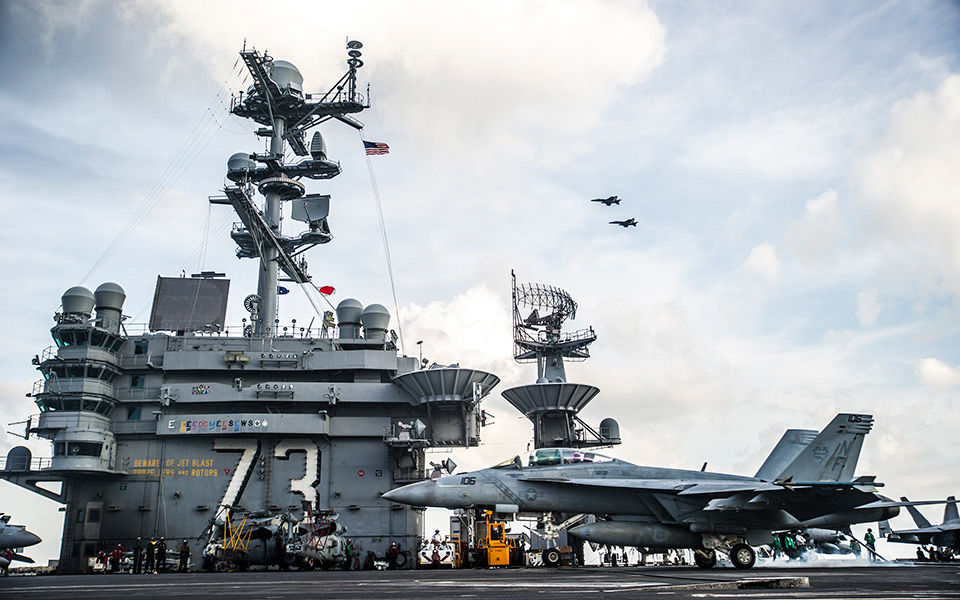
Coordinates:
376 148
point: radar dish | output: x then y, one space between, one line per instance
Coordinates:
354 45
354 54
252 303
539 333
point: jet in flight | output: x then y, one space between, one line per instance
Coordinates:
806 482
12 538
608 201
947 534
629 222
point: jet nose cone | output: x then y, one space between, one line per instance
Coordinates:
422 493
22 539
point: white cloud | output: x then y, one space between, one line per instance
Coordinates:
796 142
909 189
519 76
474 328
816 237
868 307
763 262
937 374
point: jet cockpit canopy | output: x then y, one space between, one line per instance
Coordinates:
545 457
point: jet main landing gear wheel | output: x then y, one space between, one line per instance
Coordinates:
705 559
742 556
551 557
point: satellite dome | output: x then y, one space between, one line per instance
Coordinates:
77 299
375 316
609 430
286 75
349 311
348 317
110 295
240 161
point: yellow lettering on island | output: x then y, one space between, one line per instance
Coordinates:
174 467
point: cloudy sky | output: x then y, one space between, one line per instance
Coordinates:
792 167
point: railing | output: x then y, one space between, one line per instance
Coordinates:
573 336
288 331
19 464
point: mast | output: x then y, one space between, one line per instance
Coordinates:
276 101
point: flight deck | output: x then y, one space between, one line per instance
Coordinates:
890 581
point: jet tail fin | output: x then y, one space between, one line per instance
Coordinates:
950 514
918 517
790 445
832 455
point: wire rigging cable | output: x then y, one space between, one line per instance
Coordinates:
383 235
202 134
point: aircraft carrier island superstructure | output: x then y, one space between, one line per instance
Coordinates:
157 433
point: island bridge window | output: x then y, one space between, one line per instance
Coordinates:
555 456
77 448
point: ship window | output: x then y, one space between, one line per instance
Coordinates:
104 408
136 382
71 404
62 339
93 515
140 347
110 376
98 338
84 448
80 514
59 448
90 405
133 413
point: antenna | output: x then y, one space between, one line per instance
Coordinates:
552 403
277 102
539 335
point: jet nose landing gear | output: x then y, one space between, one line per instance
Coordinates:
705 559
742 556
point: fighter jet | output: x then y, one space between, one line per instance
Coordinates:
674 508
628 223
608 201
12 538
947 534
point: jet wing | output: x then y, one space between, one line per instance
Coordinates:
650 485
933 529
678 486
722 488
900 504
